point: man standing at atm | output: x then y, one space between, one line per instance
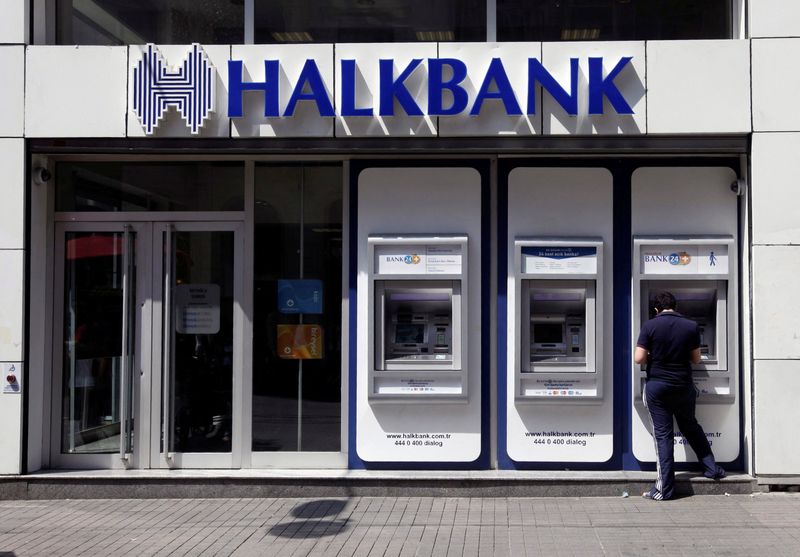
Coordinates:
669 344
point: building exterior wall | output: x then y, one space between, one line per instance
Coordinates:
13 36
775 32
682 88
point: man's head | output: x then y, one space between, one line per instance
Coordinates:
664 301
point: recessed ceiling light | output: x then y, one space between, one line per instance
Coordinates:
580 34
292 36
435 36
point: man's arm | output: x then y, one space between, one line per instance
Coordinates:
640 355
695 357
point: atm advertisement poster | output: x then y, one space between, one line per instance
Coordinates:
299 296
684 259
300 342
559 259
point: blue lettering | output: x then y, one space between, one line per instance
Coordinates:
537 72
349 91
494 86
317 92
391 88
497 74
436 85
236 87
600 87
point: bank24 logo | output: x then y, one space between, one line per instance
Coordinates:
681 258
411 259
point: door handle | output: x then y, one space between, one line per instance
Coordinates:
168 338
125 384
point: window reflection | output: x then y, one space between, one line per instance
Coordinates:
156 186
369 21
612 20
118 22
298 235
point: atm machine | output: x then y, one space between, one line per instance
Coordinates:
418 287
560 303
701 273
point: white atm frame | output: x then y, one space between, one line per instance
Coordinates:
451 374
583 376
716 380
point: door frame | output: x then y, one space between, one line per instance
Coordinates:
43 451
142 347
146 361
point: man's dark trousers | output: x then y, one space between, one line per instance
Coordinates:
664 401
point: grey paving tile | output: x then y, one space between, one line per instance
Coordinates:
391 527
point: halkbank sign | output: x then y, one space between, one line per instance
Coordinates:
190 87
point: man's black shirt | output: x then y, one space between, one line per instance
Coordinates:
670 339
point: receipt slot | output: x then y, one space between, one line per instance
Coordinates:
700 273
559 286
418 287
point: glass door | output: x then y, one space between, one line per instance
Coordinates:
148 330
196 417
98 363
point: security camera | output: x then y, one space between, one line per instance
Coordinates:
42 175
737 187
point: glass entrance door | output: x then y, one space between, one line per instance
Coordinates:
99 346
198 323
148 336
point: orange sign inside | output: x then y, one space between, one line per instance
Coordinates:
300 342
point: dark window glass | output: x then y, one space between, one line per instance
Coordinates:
369 21
117 22
151 186
297 381
612 20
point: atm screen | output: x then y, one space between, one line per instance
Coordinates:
409 333
546 333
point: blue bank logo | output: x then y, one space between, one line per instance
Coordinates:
190 89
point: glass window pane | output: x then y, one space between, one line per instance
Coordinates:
201 375
296 374
92 354
612 20
152 186
117 22
369 21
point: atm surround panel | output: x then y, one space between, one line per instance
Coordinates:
702 283
417 318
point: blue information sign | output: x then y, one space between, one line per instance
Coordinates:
300 296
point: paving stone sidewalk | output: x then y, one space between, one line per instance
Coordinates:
762 524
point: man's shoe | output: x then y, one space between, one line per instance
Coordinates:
716 476
653 495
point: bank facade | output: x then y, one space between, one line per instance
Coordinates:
392 236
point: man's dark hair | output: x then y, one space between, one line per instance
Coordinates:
665 300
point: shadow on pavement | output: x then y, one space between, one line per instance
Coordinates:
312 520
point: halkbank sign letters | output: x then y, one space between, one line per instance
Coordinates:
190 88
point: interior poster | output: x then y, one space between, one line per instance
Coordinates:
300 342
197 309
